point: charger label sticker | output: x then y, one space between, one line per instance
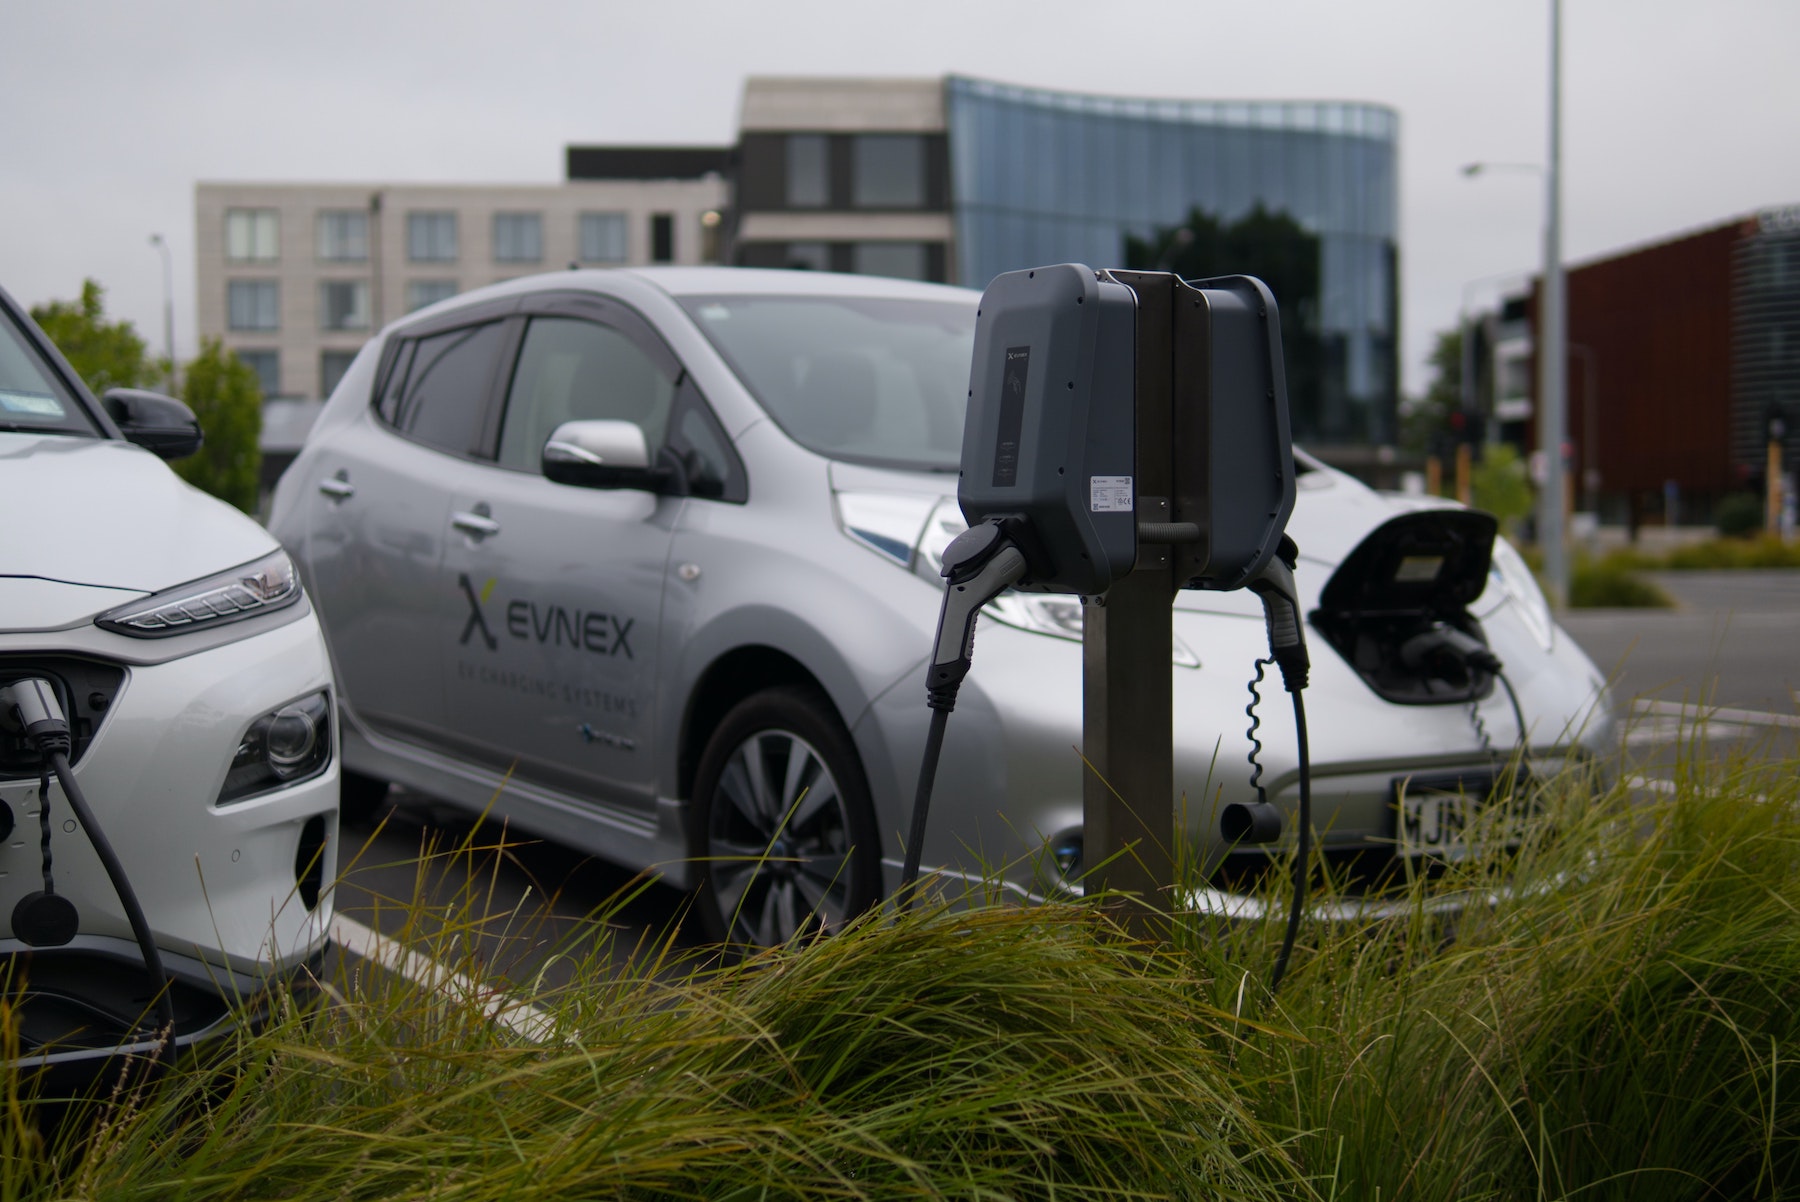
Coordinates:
1012 416
1109 494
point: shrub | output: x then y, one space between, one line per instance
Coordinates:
1611 584
1739 515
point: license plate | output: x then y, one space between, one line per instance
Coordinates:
1433 816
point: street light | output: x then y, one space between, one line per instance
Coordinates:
1552 330
160 243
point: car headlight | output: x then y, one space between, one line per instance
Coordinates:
1516 583
261 587
282 747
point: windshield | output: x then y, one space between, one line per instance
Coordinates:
873 381
31 397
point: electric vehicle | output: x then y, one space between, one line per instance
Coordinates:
646 561
158 641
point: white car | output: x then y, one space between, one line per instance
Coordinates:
171 633
707 656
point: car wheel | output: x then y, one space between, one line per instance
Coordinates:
359 796
783 830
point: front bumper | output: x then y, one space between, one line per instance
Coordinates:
228 890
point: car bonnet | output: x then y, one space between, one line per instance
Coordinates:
102 513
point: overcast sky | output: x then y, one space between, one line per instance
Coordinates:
1677 115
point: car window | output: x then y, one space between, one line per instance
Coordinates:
877 381
714 470
31 397
570 370
447 387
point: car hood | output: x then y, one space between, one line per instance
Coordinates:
1333 512
112 516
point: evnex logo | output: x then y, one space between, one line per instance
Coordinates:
582 630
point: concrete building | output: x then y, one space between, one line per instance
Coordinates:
949 179
959 179
295 277
1680 354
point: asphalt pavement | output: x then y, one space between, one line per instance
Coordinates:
1732 641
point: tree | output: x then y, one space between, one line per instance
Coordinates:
1277 250
104 354
1430 425
1500 485
226 396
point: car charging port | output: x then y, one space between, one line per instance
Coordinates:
1396 609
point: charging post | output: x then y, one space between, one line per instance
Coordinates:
1127 437
1128 700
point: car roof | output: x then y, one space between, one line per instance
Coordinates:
764 281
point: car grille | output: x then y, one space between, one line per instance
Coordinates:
87 689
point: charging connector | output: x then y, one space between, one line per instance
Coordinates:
45 918
979 564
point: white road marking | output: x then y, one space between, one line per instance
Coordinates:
521 1018
1654 722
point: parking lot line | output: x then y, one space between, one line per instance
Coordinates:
521 1018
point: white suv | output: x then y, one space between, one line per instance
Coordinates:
170 635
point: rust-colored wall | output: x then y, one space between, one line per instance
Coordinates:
1657 322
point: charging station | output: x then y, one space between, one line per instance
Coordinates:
1127 437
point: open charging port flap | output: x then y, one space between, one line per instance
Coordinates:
1413 575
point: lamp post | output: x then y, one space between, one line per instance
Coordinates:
1552 331
161 243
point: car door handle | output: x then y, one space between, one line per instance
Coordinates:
475 525
337 487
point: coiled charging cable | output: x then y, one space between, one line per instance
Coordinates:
46 918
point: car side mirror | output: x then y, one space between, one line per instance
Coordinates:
161 425
608 454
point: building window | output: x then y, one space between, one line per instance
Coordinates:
332 366
902 260
808 171
252 235
267 366
602 237
809 256
420 293
431 237
343 236
252 305
344 304
662 237
518 237
888 171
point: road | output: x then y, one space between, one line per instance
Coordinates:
1734 641
537 914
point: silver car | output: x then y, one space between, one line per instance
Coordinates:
646 560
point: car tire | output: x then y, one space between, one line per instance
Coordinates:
359 796
782 828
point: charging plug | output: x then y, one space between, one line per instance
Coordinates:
30 707
1274 585
979 565
1446 651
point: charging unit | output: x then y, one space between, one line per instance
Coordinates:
1127 436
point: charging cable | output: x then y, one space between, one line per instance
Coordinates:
1446 651
1260 821
979 565
45 918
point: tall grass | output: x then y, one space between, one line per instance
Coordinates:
1610 1012
1617 1024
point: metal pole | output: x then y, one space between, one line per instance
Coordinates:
1552 330
160 243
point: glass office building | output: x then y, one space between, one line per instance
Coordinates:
1043 177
